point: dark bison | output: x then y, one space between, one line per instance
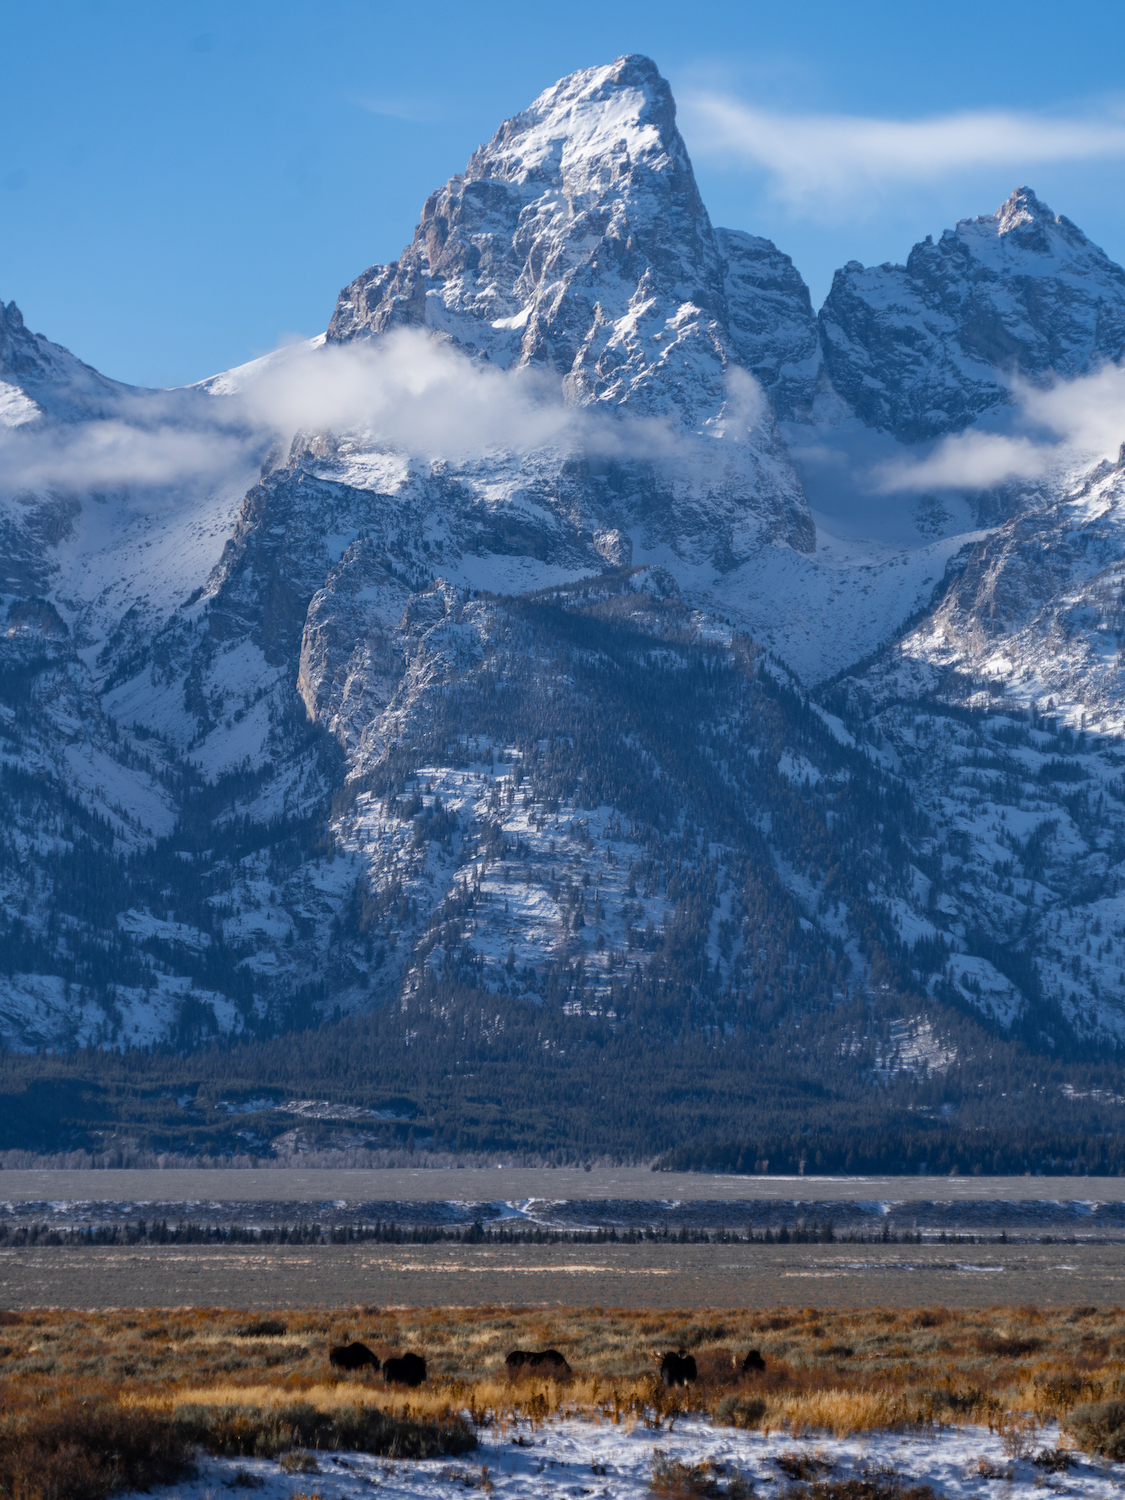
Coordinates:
677 1369
753 1362
352 1357
543 1362
408 1369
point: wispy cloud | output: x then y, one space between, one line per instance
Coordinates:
818 157
413 393
407 392
970 461
415 111
139 439
1072 422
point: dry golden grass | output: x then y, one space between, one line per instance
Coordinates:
837 1411
832 1371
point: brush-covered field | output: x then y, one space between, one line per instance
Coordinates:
93 1403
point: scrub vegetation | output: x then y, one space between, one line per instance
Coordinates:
91 1403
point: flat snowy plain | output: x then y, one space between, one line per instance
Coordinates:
579 1458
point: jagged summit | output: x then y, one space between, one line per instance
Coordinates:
14 338
576 242
924 349
576 238
1021 207
1026 235
594 115
38 377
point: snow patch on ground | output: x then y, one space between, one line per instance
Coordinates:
582 1458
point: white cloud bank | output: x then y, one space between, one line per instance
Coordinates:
407 391
1069 423
817 157
418 395
120 451
413 394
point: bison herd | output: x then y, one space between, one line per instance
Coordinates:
676 1367
407 1369
680 1368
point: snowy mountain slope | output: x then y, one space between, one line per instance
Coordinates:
530 859
822 612
1005 866
1002 709
1020 862
1035 609
92 575
926 348
114 507
113 499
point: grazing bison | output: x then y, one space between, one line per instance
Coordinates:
262 1328
677 1369
544 1362
753 1362
408 1369
352 1357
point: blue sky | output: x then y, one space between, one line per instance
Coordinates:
184 185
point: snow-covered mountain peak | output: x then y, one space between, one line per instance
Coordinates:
576 239
1026 238
584 126
924 349
1020 208
576 244
38 377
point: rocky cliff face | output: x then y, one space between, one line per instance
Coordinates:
924 349
773 328
569 241
1032 610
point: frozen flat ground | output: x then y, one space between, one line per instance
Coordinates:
1017 1209
578 1458
656 1275
483 1185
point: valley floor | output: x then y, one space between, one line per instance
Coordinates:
425 1183
564 1275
